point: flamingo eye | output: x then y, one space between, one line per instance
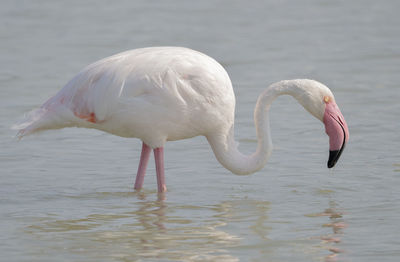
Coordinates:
327 99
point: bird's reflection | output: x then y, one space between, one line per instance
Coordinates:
151 213
145 226
148 229
337 224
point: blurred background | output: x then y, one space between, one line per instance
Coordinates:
67 195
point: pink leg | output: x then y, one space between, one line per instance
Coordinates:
144 159
159 157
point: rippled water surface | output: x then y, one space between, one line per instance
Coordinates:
67 195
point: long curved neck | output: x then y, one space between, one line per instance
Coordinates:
225 146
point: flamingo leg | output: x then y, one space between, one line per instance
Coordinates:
159 158
144 159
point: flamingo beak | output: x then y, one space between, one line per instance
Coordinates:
337 130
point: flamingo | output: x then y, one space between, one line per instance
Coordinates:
160 94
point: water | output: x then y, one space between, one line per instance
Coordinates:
67 195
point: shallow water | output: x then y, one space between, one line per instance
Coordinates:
67 195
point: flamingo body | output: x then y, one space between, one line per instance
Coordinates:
161 94
154 94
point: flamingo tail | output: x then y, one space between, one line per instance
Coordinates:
42 118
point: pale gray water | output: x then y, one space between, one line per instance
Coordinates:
67 195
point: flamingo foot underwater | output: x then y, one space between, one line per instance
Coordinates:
161 94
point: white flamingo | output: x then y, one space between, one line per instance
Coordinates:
161 94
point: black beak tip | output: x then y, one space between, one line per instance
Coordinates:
333 157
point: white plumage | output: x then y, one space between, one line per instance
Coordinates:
155 94
160 94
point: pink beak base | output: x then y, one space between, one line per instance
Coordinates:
337 130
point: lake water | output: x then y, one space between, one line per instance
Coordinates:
67 195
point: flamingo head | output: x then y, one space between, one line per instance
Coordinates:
320 102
